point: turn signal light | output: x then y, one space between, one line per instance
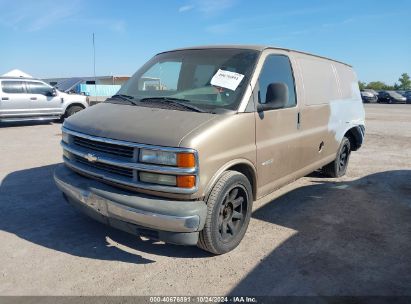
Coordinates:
186 181
185 160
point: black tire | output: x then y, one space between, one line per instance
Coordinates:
229 210
71 110
338 167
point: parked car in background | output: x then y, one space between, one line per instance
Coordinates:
407 95
183 162
375 93
368 97
390 97
33 99
371 91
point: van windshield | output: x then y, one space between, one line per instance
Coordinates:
209 79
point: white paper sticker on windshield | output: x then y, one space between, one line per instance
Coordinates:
227 79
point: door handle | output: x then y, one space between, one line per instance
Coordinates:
33 98
298 120
4 98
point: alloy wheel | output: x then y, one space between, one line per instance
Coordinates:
232 213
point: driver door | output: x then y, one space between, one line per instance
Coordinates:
277 130
43 101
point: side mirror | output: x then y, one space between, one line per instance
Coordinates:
54 92
276 97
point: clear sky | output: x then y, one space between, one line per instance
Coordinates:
52 38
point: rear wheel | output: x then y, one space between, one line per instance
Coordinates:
229 210
338 167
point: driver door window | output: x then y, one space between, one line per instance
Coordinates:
277 69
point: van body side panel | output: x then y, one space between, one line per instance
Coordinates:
226 141
329 104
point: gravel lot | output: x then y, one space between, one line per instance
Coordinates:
317 236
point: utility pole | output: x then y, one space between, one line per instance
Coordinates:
94 67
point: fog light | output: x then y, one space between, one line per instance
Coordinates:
66 154
161 179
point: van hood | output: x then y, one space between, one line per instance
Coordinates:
162 127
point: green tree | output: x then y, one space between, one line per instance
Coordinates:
362 85
377 85
405 82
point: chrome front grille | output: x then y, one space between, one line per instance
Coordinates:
108 148
117 161
109 168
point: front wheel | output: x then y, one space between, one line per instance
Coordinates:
71 110
338 167
229 210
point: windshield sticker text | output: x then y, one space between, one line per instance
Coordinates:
227 79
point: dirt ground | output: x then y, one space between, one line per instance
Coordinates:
317 236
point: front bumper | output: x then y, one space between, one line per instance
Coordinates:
172 221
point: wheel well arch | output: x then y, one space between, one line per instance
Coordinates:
74 104
243 166
249 172
356 137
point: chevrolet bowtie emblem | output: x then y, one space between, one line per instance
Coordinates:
91 157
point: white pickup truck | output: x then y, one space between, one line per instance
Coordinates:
32 99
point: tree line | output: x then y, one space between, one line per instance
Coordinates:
404 84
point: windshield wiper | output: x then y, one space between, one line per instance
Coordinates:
125 98
177 101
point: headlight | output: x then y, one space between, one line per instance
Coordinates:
158 157
183 160
65 137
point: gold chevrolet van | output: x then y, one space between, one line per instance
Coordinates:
198 134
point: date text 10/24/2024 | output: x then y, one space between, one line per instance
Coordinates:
202 299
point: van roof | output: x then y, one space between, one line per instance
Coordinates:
251 47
